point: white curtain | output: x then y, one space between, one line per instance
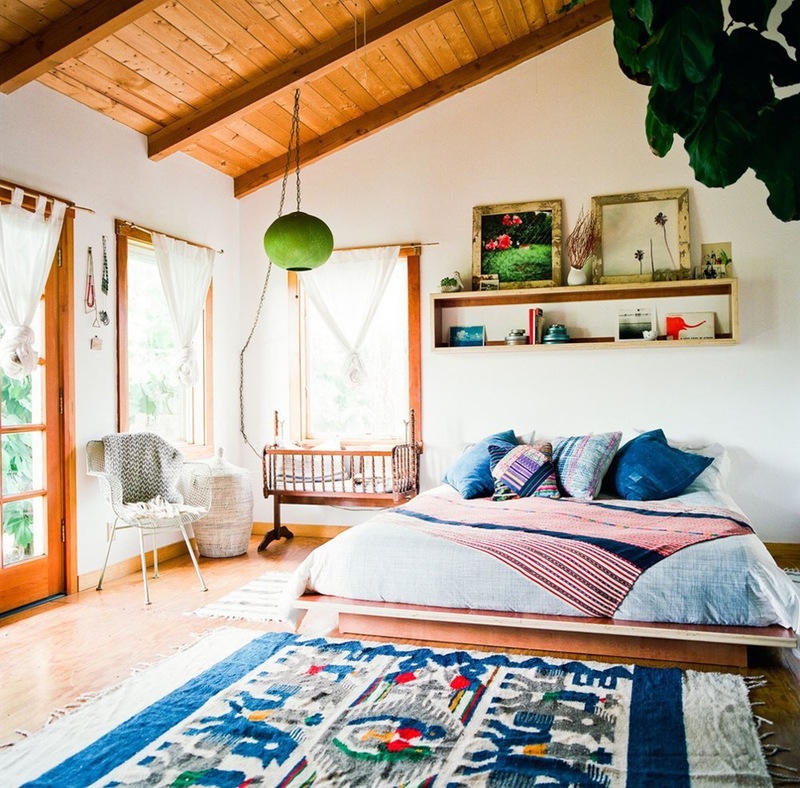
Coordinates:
185 271
28 242
349 317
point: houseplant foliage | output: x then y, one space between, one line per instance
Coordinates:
712 82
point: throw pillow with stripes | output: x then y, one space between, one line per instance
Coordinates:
524 471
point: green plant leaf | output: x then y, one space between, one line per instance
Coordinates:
776 157
659 135
789 27
720 146
684 46
745 67
630 36
684 108
751 12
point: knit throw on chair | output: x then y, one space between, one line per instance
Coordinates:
146 464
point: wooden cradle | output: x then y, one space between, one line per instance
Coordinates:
339 477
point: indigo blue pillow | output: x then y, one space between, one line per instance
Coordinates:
647 468
470 474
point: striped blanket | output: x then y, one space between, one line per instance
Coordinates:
588 553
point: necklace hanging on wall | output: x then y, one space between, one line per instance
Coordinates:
89 300
104 286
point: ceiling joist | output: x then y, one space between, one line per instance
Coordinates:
568 26
68 37
321 60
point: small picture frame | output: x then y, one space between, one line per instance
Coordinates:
520 243
635 324
467 336
716 261
690 325
489 282
644 237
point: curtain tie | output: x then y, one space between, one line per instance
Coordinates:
187 368
17 356
355 368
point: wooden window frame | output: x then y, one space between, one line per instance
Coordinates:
298 416
125 231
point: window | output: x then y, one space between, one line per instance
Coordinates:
150 397
375 407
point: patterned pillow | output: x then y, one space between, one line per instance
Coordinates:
647 468
581 462
524 471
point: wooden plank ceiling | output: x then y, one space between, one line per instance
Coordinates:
216 78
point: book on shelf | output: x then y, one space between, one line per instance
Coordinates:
535 325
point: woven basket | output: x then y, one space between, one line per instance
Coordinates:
225 530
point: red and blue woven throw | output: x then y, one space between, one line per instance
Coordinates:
588 553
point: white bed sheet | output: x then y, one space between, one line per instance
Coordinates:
732 581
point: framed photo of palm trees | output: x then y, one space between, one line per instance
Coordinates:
644 237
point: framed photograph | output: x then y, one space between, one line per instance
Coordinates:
519 243
690 325
489 282
716 261
467 336
635 323
644 237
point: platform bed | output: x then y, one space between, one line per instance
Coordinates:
703 644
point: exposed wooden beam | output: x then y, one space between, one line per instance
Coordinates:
584 18
321 60
66 38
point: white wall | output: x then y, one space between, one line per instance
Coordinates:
567 125
52 143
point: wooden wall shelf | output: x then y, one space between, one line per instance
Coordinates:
450 308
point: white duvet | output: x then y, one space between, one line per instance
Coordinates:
732 581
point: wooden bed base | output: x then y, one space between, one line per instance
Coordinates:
707 645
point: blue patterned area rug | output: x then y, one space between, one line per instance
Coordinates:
242 708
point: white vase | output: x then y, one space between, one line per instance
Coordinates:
577 276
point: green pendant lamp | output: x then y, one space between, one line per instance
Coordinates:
297 241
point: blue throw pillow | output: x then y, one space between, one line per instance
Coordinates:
647 468
470 474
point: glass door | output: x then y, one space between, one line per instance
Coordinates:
32 559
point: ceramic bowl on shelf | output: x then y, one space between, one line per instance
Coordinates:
555 334
517 336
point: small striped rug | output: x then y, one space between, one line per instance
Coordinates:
256 601
794 575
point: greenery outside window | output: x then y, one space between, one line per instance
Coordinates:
326 404
150 397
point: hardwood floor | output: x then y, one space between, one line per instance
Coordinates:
55 654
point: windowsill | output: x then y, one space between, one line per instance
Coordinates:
195 451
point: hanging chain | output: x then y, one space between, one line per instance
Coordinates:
296 131
294 146
241 361
294 142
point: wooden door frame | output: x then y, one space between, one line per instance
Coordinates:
66 329
65 366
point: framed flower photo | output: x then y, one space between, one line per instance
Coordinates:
519 243
644 237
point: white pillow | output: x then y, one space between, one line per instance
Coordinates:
715 477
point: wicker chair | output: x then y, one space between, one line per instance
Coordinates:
193 490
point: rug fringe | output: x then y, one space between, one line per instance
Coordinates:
779 773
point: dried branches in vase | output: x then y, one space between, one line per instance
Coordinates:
581 245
